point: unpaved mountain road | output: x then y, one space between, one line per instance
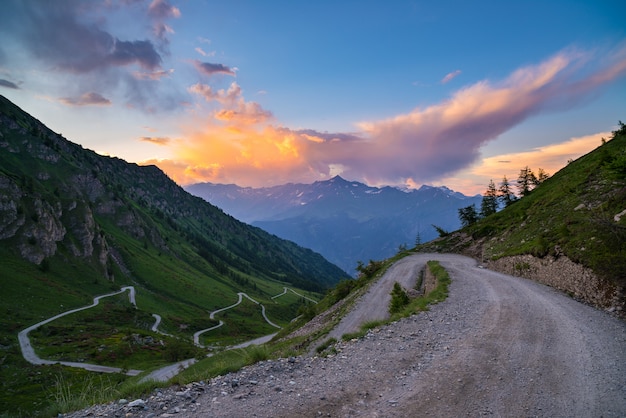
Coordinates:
497 346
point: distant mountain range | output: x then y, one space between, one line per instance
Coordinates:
345 221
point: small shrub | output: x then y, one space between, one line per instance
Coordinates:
322 347
399 299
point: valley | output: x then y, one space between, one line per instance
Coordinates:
162 374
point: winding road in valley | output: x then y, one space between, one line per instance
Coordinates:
29 353
162 374
241 295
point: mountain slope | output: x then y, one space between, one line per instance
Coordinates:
570 232
346 221
74 224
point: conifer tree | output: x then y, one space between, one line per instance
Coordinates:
489 204
505 194
468 215
526 181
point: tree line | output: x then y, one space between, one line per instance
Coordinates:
504 195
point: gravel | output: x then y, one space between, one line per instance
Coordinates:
499 345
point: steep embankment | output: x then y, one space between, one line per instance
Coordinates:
568 233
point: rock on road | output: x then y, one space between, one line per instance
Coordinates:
498 345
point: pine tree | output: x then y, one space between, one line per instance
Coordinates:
505 194
489 204
468 215
541 176
526 181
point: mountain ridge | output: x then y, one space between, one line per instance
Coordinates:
346 221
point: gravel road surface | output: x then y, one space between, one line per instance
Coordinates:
498 346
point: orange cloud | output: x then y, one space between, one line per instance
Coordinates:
238 144
156 140
551 158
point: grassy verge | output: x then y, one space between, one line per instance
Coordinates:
414 305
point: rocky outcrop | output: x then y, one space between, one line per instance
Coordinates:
11 215
39 238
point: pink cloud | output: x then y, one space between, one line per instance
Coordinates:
450 76
425 145
87 99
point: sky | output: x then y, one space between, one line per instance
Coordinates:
261 93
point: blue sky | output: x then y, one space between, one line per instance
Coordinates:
268 92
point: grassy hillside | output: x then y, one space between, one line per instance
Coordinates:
573 214
74 224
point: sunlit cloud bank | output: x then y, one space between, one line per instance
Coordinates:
242 143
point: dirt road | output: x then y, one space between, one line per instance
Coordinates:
498 346
29 353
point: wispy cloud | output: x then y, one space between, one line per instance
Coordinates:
156 140
450 76
153 75
8 84
160 11
424 145
87 99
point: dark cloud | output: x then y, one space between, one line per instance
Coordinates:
8 84
87 99
62 35
140 52
209 69
73 41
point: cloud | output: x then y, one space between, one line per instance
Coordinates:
551 158
8 84
235 110
450 76
225 97
156 140
87 99
436 141
160 11
425 145
79 50
210 69
63 35
154 75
